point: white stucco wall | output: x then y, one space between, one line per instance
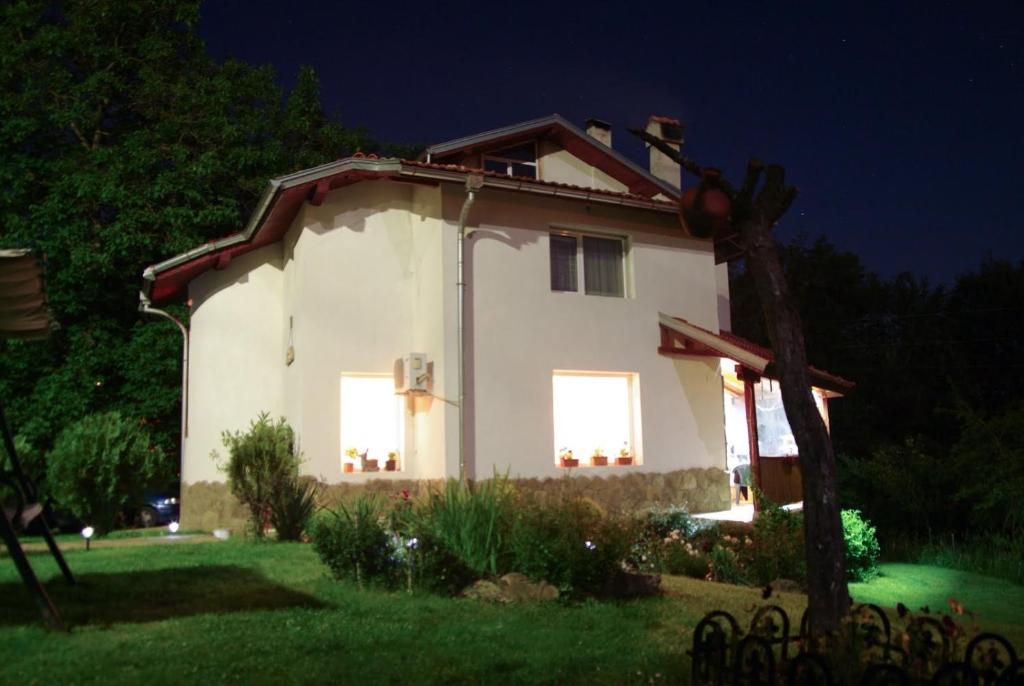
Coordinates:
522 332
370 275
364 286
558 165
235 355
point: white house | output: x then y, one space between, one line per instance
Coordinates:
528 291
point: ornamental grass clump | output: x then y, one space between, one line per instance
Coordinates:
263 464
471 521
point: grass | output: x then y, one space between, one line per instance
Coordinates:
267 613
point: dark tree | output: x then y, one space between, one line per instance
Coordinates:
756 207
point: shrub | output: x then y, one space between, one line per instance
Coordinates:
101 463
726 565
662 521
861 547
680 556
571 545
261 462
471 521
32 464
777 550
291 506
354 544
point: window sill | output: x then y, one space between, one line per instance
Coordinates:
613 462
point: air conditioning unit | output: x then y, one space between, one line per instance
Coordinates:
412 374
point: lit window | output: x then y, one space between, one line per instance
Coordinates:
596 412
603 264
372 419
518 161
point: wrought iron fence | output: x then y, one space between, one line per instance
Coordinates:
867 653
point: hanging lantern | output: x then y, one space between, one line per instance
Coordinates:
704 209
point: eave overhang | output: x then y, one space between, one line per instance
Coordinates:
283 197
680 338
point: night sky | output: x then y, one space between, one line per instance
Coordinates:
901 123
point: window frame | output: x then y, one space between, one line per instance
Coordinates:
508 161
400 424
581 279
635 419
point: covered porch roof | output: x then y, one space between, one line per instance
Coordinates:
682 338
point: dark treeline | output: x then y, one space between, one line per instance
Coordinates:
123 143
931 440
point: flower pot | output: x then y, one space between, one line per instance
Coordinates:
348 467
570 462
391 466
370 466
624 460
599 460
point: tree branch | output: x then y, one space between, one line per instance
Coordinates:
79 136
684 162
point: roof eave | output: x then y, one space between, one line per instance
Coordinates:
554 119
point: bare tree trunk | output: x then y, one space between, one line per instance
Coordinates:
828 596
756 208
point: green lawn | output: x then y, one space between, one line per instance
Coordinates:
251 613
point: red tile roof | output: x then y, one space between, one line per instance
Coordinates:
668 204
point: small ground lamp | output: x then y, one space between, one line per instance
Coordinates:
87 534
173 527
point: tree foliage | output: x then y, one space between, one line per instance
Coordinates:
102 463
122 143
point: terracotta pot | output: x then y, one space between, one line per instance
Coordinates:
348 467
370 466
599 460
391 466
704 209
624 460
570 462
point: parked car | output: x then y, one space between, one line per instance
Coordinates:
155 509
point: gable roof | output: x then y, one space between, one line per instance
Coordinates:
638 180
284 196
697 340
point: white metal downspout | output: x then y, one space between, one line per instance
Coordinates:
146 308
474 182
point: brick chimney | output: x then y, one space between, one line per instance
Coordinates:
670 131
600 130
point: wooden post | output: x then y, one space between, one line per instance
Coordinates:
749 378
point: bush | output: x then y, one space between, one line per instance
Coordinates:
861 547
778 550
662 521
726 565
261 463
291 507
100 464
354 544
571 545
680 556
32 464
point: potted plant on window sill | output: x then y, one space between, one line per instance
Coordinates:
391 464
625 457
566 459
349 465
598 459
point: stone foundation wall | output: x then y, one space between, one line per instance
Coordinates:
206 505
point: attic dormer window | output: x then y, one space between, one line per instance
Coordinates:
520 160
